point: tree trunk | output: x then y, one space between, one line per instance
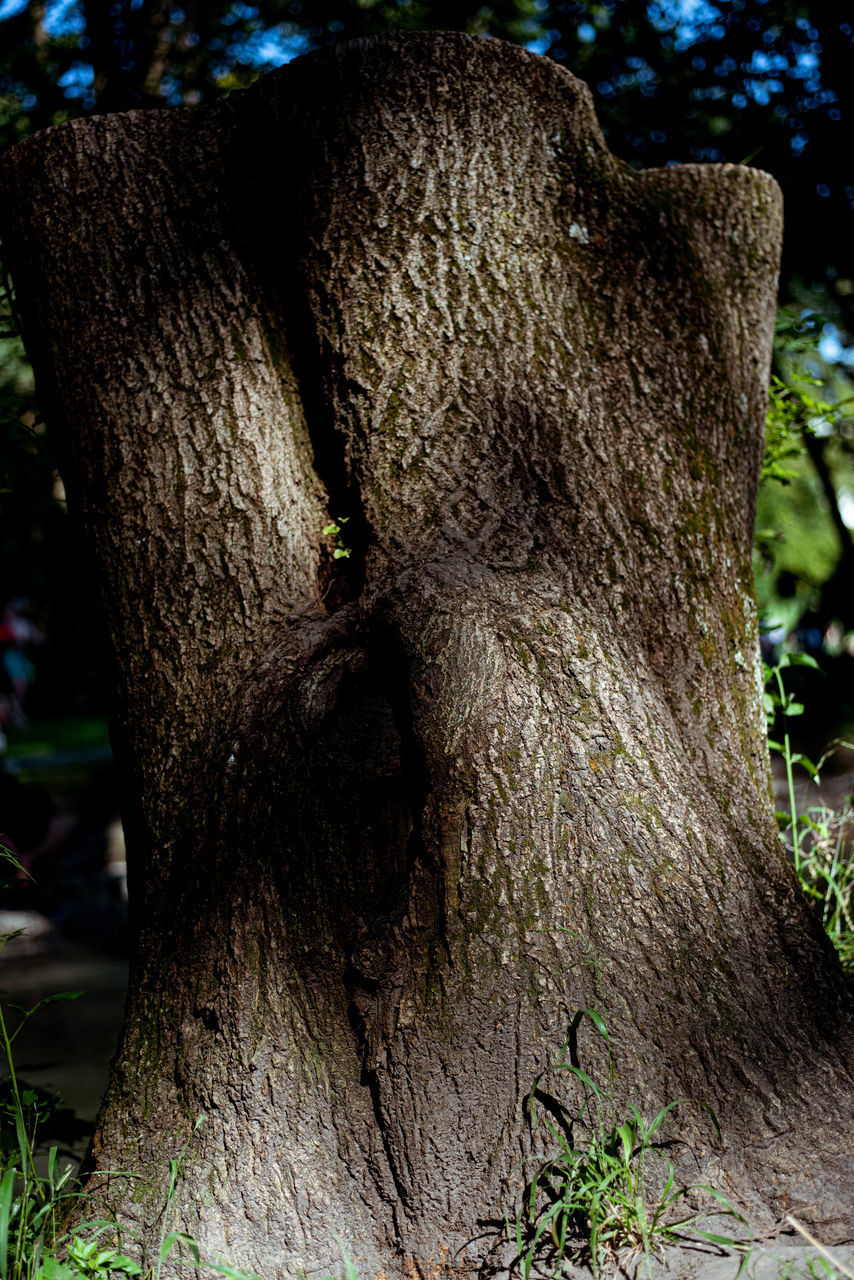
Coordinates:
394 817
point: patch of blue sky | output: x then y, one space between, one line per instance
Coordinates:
64 18
240 12
801 63
686 19
807 61
709 93
761 91
761 62
170 89
585 31
77 80
272 47
831 348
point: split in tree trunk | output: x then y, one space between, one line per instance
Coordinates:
393 817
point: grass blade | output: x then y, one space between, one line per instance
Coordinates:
840 1266
7 1191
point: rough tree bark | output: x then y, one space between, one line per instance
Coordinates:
393 818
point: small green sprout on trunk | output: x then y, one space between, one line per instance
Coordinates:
334 530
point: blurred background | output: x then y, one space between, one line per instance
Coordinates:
761 82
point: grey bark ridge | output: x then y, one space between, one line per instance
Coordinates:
393 819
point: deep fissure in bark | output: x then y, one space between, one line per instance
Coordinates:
269 234
394 822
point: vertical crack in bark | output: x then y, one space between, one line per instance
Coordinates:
399 1207
376 786
275 240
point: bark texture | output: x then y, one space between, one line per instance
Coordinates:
394 818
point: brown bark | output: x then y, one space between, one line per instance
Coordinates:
392 824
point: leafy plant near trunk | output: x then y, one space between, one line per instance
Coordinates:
31 1204
826 873
608 1194
819 838
796 406
34 1207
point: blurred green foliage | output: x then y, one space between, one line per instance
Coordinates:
804 553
